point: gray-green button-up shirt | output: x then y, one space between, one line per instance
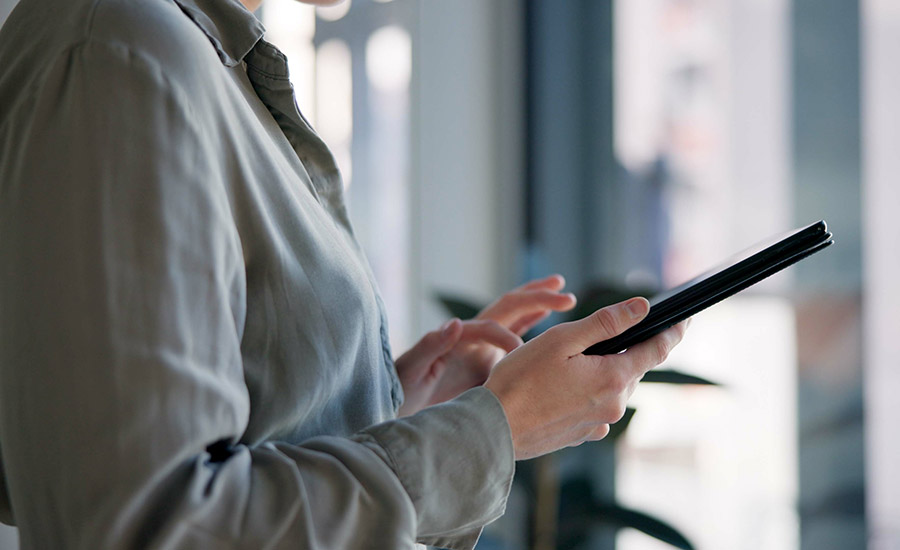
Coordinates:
192 348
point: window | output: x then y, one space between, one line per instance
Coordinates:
701 95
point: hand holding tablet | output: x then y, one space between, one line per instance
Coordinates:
734 275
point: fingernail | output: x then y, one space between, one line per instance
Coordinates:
570 295
635 308
445 330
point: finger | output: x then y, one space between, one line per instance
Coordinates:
552 282
588 432
436 343
599 432
511 307
492 333
653 352
601 325
524 324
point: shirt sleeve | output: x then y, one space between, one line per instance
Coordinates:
122 398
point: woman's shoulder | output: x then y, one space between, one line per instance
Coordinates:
156 33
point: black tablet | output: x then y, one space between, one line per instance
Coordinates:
734 275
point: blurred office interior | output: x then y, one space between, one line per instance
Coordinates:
630 145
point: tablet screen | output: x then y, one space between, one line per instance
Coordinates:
735 274
733 262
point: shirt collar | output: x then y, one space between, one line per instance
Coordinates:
232 30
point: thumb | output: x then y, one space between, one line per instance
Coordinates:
604 323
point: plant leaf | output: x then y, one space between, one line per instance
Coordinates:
615 430
668 376
458 307
620 516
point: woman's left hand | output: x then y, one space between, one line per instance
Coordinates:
461 354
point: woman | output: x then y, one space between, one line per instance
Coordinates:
193 353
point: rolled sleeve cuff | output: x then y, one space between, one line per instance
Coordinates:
456 462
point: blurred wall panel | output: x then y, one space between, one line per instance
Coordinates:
576 219
466 215
827 166
759 104
9 538
881 262
6 6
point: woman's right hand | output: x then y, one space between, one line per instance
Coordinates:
554 396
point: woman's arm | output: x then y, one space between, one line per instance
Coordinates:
122 393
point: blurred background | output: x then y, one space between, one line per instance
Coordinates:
629 145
